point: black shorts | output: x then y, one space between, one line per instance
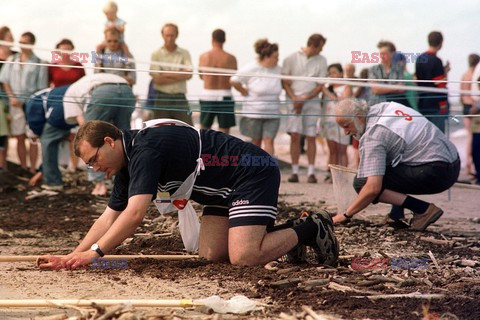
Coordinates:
466 108
429 178
254 200
223 110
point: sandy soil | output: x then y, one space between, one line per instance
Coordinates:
56 224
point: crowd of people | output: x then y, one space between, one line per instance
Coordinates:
398 136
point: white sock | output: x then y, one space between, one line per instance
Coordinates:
311 169
295 168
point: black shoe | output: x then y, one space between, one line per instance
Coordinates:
325 244
299 253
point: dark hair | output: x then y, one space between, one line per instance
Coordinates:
30 36
388 44
435 39
171 25
218 35
337 66
473 60
264 49
94 132
316 40
364 73
3 32
65 41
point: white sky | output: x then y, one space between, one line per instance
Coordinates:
347 25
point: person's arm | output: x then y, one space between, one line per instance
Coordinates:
42 80
97 230
369 192
239 87
203 62
108 233
378 90
14 102
347 93
168 78
314 93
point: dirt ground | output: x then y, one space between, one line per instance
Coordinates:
55 224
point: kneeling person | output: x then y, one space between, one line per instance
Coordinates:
401 153
240 202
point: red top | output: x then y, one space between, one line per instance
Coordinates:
60 77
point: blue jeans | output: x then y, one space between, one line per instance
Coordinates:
114 103
50 140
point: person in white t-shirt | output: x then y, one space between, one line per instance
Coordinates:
303 97
261 106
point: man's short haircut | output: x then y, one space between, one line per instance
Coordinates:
94 132
264 49
435 39
473 60
173 25
112 31
316 40
30 36
352 107
111 6
219 36
389 44
65 41
3 32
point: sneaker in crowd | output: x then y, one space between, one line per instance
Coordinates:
312 179
52 188
293 178
325 246
420 222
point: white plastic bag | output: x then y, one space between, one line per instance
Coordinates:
238 304
189 226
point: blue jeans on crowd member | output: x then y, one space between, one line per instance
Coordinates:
113 103
50 140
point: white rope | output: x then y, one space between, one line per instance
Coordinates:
283 77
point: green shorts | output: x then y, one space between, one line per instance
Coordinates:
224 110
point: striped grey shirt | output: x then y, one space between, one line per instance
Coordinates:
379 146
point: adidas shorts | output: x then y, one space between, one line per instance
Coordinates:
253 202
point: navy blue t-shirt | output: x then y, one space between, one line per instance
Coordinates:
161 158
429 67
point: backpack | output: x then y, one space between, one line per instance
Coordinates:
46 106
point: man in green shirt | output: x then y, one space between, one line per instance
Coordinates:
170 88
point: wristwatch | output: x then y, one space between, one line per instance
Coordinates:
345 215
97 249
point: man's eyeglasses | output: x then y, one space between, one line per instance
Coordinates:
93 160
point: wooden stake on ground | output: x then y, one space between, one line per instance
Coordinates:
128 257
407 295
49 303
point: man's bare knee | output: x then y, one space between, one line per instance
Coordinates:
245 258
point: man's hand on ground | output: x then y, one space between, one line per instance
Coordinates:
73 261
339 218
49 262
76 260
